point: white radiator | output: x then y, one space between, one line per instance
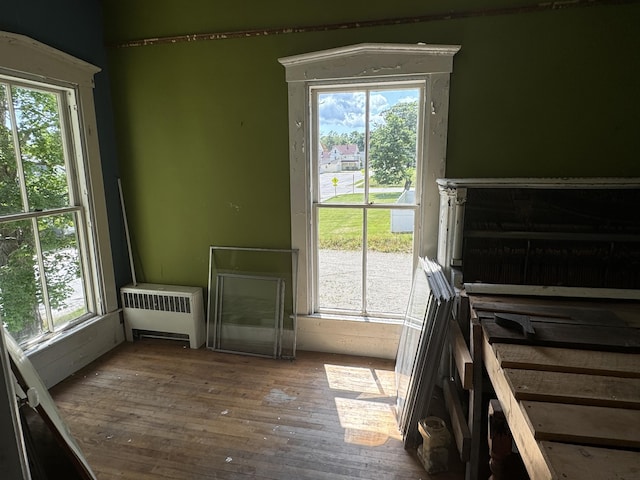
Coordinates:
164 310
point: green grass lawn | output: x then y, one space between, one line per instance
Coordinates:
341 229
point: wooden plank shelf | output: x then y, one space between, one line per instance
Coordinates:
584 424
574 388
579 462
533 357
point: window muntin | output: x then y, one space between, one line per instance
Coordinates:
366 142
44 281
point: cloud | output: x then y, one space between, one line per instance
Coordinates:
341 111
345 111
378 104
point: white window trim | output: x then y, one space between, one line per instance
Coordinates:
368 62
28 59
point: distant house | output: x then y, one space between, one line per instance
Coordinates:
327 162
340 158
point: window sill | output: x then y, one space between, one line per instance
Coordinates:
50 340
64 353
352 318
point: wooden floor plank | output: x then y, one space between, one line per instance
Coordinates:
529 357
152 409
575 462
584 424
579 389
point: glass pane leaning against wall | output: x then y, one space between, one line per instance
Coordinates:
42 268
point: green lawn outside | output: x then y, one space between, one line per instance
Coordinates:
341 229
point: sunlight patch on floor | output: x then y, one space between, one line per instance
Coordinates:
367 422
367 381
366 405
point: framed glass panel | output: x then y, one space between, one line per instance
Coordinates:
260 277
249 314
410 339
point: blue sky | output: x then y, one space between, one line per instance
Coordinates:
344 112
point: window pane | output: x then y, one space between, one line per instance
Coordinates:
382 172
10 199
20 294
250 310
389 260
341 130
63 272
393 126
41 148
340 258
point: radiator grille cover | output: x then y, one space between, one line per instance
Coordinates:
160 302
164 309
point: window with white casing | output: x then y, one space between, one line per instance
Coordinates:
55 259
367 134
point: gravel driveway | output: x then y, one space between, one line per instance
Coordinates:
388 289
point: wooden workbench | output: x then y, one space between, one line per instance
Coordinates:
574 413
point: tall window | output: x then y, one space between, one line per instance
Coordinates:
52 222
367 136
42 284
365 196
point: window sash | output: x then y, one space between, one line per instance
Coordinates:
365 205
69 136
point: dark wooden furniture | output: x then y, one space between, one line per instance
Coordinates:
575 237
543 238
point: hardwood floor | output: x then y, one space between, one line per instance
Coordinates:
154 409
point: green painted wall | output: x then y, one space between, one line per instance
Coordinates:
202 126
